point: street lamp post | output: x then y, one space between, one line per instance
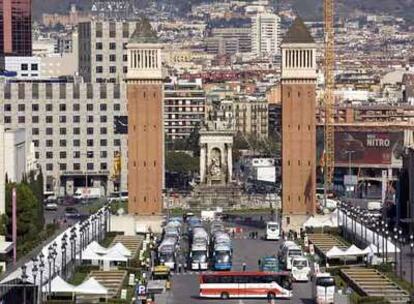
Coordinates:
41 270
63 248
386 244
49 259
401 256
34 273
395 248
411 266
24 281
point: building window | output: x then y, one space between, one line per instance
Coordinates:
62 107
125 69
76 131
89 91
112 58
34 67
49 143
103 142
76 154
49 107
99 58
35 131
76 166
98 30
49 131
104 131
125 30
76 119
89 166
7 119
62 131
104 166
35 90
76 143
21 119
90 119
76 91
112 69
20 107
20 93
62 167
49 154
103 154
99 69
103 119
62 91
7 107
49 167
62 119
49 119
62 143
102 107
89 131
35 119
102 91
76 107
117 107
112 46
99 45
24 67
89 142
117 142
35 107
112 29
7 91
62 154
49 91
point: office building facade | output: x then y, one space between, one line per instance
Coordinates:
229 41
102 50
72 128
184 108
265 35
15 28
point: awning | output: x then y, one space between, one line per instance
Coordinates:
91 286
59 285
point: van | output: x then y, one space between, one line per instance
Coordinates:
300 269
288 253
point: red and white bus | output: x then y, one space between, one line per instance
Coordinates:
245 284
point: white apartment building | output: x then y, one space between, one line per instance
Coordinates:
266 35
71 126
184 108
102 50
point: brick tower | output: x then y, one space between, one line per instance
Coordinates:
145 122
298 86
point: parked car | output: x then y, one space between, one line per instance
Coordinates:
71 212
51 206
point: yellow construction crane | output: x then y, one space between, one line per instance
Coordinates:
329 131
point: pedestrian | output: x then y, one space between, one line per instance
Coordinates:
259 263
244 266
233 233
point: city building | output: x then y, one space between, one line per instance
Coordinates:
15 28
102 50
71 127
251 116
229 41
145 122
298 91
184 108
265 34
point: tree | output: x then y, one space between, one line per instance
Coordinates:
29 222
181 162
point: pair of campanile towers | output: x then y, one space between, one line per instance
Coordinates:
145 124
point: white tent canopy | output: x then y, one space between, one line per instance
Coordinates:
59 285
354 251
122 249
335 252
91 286
97 248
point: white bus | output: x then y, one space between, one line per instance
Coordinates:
300 269
272 231
324 288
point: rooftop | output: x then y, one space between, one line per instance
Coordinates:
298 33
144 33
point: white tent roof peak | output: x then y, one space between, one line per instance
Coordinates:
91 286
122 249
59 285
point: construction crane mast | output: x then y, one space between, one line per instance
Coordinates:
329 131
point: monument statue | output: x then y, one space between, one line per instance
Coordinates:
215 165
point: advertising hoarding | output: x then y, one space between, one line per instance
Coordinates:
368 148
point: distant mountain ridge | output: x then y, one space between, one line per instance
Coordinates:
308 9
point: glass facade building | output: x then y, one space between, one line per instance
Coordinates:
15 28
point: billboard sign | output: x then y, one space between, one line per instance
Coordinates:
266 174
368 148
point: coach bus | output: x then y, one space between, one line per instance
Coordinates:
246 284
